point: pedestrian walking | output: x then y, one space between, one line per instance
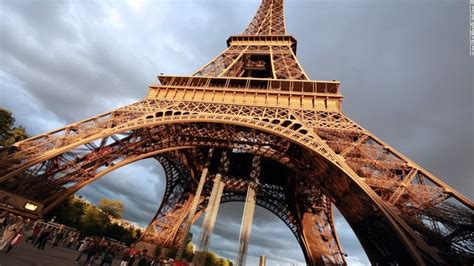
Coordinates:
43 238
57 238
92 253
34 234
108 258
143 259
3 219
91 261
10 232
125 258
36 240
82 249
71 241
14 242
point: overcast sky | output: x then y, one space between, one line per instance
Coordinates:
404 66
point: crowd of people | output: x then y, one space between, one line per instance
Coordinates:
12 227
104 252
91 251
38 233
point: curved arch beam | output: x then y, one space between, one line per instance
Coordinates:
303 136
119 165
70 191
314 144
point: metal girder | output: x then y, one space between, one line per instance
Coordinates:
170 139
249 210
211 211
269 19
194 205
176 202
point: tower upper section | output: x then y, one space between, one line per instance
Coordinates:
269 19
258 67
262 51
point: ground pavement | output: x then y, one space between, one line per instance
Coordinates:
25 254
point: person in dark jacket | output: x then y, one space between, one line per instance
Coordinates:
143 259
131 259
109 255
34 234
92 252
43 238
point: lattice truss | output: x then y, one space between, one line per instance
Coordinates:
78 154
268 20
278 62
164 226
400 212
255 57
275 198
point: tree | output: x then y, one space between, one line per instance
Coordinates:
211 259
6 123
69 213
93 221
8 136
15 134
189 252
224 262
117 232
8 133
113 208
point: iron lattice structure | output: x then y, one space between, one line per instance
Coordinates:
254 99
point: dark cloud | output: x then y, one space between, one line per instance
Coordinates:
406 74
46 16
404 66
270 236
140 186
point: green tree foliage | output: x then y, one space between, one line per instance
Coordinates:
16 134
92 221
113 208
135 233
6 123
70 213
120 233
8 133
211 259
189 252
224 262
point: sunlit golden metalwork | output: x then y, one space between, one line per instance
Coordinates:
254 99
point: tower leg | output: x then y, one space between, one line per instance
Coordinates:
249 210
211 213
192 212
246 226
209 221
165 224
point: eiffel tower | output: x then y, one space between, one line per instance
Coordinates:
251 126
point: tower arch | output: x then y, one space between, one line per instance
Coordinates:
255 97
238 137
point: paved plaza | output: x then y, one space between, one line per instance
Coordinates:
26 255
